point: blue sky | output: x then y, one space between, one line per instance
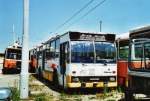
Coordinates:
118 16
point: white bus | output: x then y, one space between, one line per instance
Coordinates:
139 63
79 60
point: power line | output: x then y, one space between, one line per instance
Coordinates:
74 15
100 3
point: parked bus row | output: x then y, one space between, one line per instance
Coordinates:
80 59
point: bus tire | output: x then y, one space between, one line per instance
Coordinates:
4 71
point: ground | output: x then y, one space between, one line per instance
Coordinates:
9 80
41 90
45 88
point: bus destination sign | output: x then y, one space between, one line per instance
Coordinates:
91 36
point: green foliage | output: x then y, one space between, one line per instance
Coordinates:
41 97
15 94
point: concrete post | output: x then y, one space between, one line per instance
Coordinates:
24 76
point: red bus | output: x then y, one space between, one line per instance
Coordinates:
122 61
12 59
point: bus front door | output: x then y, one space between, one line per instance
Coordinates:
63 60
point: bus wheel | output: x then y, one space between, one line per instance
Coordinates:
4 71
129 95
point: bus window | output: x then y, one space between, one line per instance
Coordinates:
147 51
57 48
14 54
141 58
138 52
105 52
52 49
123 52
82 51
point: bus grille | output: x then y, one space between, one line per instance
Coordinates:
93 79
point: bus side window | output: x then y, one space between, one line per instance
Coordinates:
52 49
57 48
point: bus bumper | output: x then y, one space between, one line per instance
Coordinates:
92 85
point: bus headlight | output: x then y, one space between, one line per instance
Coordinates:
75 79
112 78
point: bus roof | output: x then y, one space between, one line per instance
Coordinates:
13 48
143 32
76 35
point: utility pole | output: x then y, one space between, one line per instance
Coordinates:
100 26
14 34
24 76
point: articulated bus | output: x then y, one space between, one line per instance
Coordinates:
12 59
122 44
139 63
78 60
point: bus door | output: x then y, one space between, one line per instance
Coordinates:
40 63
64 58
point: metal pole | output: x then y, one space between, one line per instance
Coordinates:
14 34
100 26
24 76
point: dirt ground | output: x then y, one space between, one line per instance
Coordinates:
9 80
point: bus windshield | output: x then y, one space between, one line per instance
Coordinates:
13 54
91 52
105 52
140 58
82 51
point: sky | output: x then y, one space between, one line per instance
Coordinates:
117 16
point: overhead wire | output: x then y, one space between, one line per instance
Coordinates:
74 15
88 12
